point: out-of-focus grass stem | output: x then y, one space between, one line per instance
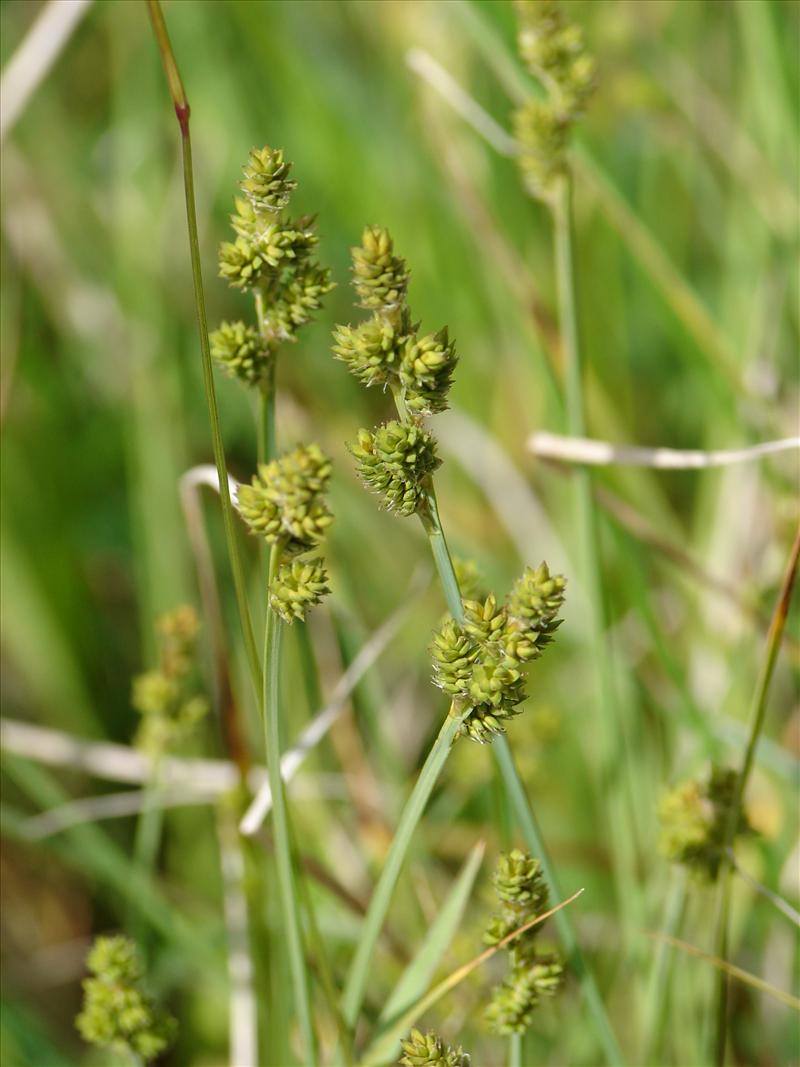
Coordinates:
757 715
283 850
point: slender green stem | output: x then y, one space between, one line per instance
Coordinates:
182 112
757 715
515 1050
525 817
356 986
441 555
283 852
324 965
614 749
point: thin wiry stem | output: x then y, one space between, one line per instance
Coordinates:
757 715
283 850
182 112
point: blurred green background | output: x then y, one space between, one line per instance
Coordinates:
687 242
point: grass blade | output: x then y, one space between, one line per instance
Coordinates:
417 975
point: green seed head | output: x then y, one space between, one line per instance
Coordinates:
426 372
294 302
394 461
515 1000
267 184
454 655
241 352
380 278
519 880
116 1014
373 350
694 819
285 502
429 1050
297 587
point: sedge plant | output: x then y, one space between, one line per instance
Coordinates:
483 649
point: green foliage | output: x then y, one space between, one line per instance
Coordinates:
164 697
693 822
117 1014
429 1050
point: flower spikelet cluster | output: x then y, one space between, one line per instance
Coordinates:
240 351
534 974
694 819
298 586
271 255
117 1014
267 184
380 278
285 502
374 350
480 661
394 461
429 1050
555 53
165 698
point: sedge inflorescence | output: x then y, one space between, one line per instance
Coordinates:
694 822
286 504
271 255
555 54
117 1014
429 1050
396 459
165 697
479 662
534 974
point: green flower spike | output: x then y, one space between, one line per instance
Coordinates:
164 697
116 1014
454 655
555 54
426 372
543 136
285 502
429 1050
532 612
515 1000
380 278
521 888
267 184
394 462
519 881
241 262
484 621
374 349
298 299
297 587
693 822
241 352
